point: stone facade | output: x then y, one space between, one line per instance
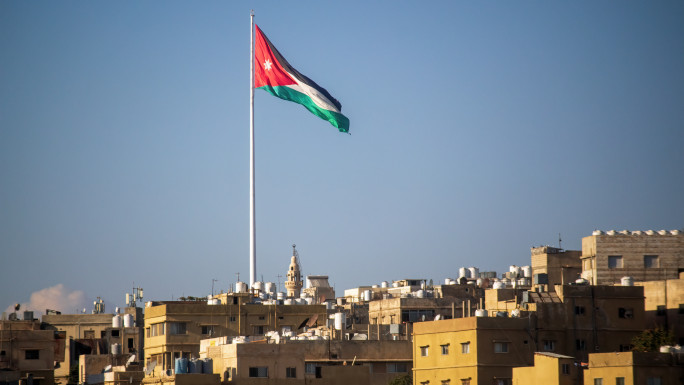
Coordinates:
644 256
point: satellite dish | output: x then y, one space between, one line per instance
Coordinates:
150 368
130 359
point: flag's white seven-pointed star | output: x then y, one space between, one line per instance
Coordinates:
268 64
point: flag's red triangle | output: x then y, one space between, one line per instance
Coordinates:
267 70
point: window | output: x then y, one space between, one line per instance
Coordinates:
549 345
89 334
579 310
208 330
417 315
565 369
259 330
625 313
446 382
651 261
424 351
500 347
619 381
653 381
232 318
261 318
465 347
626 347
103 334
465 381
258 371
615 261
598 381
310 368
580 345
147 332
396 368
32 354
291 372
157 329
661 310
130 344
177 328
445 349
115 332
681 308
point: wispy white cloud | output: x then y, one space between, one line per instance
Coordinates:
56 297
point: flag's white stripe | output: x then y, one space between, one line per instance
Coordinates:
318 98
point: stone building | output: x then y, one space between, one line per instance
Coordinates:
549 368
94 334
553 266
609 256
665 306
473 350
632 368
312 362
28 351
174 329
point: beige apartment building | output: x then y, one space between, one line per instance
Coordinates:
174 329
27 351
549 369
473 350
609 256
553 266
665 306
94 334
311 362
635 368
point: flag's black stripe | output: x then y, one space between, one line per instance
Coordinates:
297 74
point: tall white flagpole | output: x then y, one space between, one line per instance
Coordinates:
252 206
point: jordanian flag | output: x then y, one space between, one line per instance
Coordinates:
275 75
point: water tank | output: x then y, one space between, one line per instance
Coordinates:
367 295
195 366
213 301
506 282
447 281
498 285
463 272
207 366
116 321
329 305
474 272
419 294
341 301
597 232
288 301
309 300
375 286
581 281
240 287
258 286
181 366
280 295
384 284
650 232
515 313
527 271
480 313
503 314
128 320
516 270
270 287
479 282
611 232
116 349
340 321
627 281
675 232
395 284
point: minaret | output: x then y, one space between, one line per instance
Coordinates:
294 278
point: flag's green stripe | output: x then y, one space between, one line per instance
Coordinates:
336 119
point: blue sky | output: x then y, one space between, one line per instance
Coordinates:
478 130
